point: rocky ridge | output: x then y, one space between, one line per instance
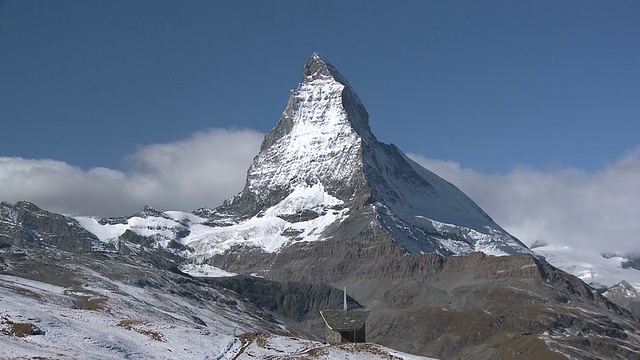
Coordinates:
625 296
23 224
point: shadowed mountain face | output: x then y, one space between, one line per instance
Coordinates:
25 225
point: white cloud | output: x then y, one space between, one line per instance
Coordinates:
200 171
599 210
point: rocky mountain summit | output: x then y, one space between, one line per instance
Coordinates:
625 295
325 205
323 144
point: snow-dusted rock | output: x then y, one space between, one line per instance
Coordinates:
322 164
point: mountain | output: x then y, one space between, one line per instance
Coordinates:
625 295
321 164
26 225
325 205
319 173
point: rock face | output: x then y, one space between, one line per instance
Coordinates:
626 296
26 225
459 307
298 301
633 262
317 140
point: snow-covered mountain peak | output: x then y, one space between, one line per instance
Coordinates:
320 166
318 140
318 71
323 141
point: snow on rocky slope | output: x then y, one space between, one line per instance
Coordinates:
128 310
58 331
267 232
302 215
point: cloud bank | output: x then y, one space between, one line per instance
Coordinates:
200 171
599 210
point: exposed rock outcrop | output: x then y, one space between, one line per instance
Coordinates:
625 295
26 225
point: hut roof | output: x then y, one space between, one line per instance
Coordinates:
340 320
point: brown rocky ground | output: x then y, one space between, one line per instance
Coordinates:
476 306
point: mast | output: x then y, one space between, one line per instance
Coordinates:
345 299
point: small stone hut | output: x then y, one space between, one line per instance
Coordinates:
345 326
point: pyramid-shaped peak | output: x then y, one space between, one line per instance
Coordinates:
317 67
322 166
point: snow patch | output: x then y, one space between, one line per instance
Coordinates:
269 231
321 144
304 198
204 270
182 217
107 233
163 229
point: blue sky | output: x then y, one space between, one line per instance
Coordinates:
491 85
532 108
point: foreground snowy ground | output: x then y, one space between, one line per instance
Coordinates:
106 319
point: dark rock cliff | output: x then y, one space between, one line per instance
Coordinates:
26 225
